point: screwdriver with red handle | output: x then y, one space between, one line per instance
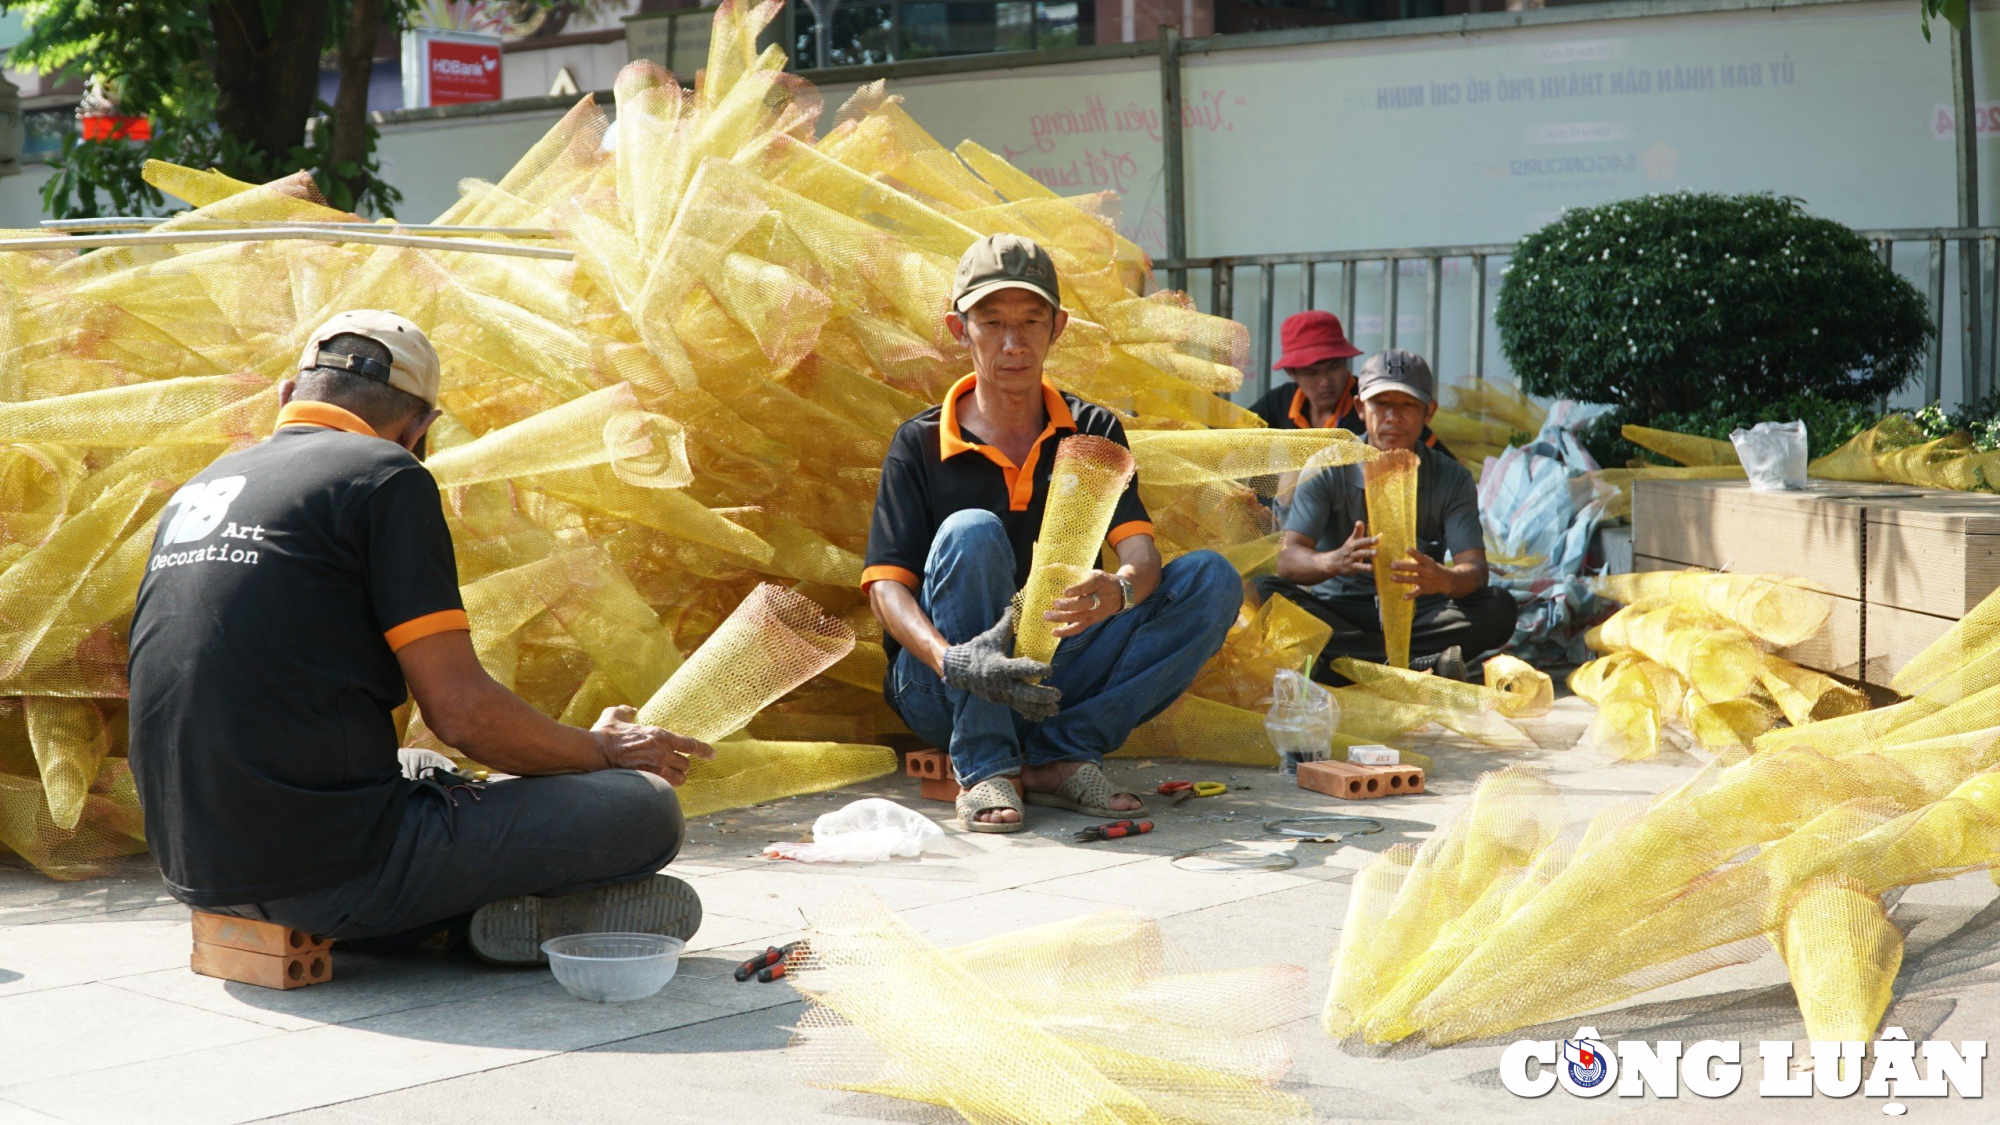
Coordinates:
1116 830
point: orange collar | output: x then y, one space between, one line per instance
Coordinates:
324 414
1298 412
952 440
1020 478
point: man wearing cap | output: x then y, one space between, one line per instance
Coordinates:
1326 564
296 593
956 515
1315 351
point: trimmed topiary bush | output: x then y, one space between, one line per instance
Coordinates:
1695 303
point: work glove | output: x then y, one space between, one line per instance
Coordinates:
983 667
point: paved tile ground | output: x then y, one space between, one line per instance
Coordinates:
100 1021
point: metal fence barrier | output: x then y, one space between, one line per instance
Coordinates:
1977 262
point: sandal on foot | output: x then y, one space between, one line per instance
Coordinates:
993 793
1086 791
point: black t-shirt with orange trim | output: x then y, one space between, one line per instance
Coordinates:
1283 407
282 579
936 468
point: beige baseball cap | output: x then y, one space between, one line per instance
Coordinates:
1004 261
413 363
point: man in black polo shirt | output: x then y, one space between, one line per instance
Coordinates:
956 516
1315 356
294 589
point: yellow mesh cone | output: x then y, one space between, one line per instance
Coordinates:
1468 709
1776 609
1843 954
1526 692
1084 485
1391 483
1716 660
1688 449
772 642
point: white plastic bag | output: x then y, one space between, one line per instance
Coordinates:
1773 455
1301 721
867 831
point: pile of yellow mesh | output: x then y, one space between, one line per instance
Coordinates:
1510 918
1894 450
695 403
1691 646
1092 1020
1481 419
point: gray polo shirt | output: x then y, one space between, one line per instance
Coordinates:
1326 507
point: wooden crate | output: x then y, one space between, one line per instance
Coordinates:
1938 554
1903 563
1895 636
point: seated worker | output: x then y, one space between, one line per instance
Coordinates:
1315 351
1327 561
956 516
294 589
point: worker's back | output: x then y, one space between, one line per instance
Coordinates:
263 668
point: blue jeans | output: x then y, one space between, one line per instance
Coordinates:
1113 676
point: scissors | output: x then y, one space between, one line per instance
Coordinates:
1182 790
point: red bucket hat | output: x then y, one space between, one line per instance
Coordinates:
1310 337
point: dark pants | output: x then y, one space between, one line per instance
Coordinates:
524 836
1478 625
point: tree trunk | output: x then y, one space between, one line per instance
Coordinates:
350 104
267 74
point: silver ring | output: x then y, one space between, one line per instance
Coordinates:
1096 600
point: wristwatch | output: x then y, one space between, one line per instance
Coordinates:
1125 587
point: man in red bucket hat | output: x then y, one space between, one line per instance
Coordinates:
1321 392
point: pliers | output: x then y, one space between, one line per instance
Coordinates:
1114 831
766 966
1182 790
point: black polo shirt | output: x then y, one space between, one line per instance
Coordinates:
282 579
936 468
1283 407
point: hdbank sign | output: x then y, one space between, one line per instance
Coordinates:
1588 1067
450 67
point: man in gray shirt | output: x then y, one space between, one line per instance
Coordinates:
1327 562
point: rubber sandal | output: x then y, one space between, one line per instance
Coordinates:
993 793
511 931
1086 791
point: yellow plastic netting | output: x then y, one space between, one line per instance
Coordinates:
1526 692
1471 710
1088 476
1391 488
633 440
1793 845
1092 1020
1689 647
1895 450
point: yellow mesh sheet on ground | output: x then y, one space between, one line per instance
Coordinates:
1391 488
1468 709
1093 1020
632 441
1088 476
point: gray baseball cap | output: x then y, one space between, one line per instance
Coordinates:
1397 369
1004 261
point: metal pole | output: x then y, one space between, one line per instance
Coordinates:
1171 140
1310 281
1434 309
1267 296
1934 373
1389 280
1989 258
1347 271
1972 386
1478 318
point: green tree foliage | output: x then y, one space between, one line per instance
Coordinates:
1950 11
1706 304
229 84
